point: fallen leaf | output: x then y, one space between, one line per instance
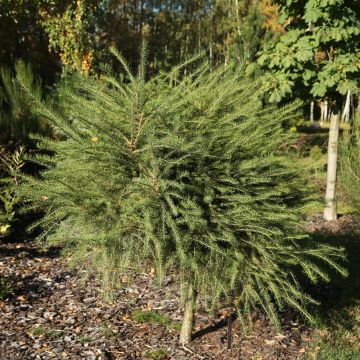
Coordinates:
152 272
270 342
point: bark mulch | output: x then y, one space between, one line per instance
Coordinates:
49 311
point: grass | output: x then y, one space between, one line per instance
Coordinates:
337 346
159 354
154 317
85 339
47 332
106 330
6 288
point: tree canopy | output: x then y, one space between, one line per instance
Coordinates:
318 55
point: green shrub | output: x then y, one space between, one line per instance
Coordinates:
315 153
186 171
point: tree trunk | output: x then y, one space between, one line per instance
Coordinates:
188 319
312 111
238 17
211 38
325 114
346 113
330 212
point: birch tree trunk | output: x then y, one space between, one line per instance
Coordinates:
346 113
312 111
325 114
330 212
211 37
238 17
188 319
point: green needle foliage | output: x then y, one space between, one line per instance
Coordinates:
183 171
17 120
10 169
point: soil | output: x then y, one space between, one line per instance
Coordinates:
50 311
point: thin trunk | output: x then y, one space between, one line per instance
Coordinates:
199 34
325 117
238 17
229 332
324 111
312 111
346 113
330 212
226 48
188 319
211 37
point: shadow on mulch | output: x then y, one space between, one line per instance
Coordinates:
30 286
21 246
29 251
212 328
20 235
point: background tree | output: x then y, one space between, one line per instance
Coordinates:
71 32
318 57
23 37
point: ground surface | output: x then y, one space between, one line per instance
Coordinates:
48 311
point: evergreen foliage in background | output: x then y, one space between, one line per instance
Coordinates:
65 35
10 169
183 171
17 119
252 36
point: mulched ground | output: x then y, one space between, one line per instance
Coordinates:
51 312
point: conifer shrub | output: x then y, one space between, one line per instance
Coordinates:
185 171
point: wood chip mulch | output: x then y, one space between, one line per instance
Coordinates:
51 312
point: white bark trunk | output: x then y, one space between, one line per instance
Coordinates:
238 17
330 212
312 111
211 36
346 113
325 114
188 319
